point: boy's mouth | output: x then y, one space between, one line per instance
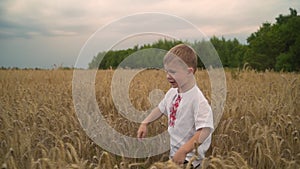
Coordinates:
172 82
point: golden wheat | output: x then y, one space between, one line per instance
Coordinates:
39 128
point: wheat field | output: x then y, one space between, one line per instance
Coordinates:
260 127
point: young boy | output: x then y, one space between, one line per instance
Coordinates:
190 117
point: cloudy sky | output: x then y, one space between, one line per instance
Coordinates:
41 33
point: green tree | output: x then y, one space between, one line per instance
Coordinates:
289 30
273 46
284 62
114 58
231 52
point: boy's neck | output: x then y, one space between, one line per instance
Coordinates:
186 87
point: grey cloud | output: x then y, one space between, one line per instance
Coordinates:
73 19
73 13
27 25
10 29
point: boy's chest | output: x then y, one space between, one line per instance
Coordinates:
182 113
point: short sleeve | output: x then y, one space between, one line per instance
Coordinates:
203 115
163 106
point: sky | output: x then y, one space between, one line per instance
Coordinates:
44 33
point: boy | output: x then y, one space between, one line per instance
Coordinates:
190 117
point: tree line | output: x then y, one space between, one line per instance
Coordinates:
273 46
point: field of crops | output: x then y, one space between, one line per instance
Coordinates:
260 127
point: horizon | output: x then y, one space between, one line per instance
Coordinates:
42 34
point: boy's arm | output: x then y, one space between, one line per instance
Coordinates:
155 114
198 137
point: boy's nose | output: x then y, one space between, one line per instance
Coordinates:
169 76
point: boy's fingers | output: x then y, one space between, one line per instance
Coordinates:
140 134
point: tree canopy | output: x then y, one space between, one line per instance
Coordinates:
273 46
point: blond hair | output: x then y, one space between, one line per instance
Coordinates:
185 53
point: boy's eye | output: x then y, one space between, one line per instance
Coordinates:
170 71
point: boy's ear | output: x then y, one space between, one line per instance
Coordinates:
191 70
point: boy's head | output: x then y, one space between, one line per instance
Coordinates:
180 63
182 52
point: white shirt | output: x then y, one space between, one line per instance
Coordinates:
193 113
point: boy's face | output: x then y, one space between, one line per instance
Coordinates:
178 73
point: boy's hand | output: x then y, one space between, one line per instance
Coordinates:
179 156
142 131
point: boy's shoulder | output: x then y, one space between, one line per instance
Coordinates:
171 92
195 94
172 89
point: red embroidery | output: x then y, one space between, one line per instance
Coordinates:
173 111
